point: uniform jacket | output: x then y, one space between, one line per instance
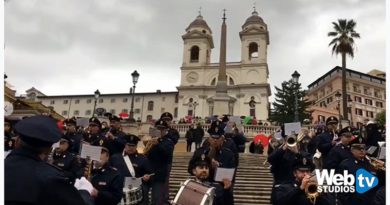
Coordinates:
109 184
336 155
69 163
140 163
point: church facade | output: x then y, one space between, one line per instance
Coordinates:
244 84
246 81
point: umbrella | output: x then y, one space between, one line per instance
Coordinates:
263 138
123 115
247 120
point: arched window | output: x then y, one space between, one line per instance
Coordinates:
253 50
150 105
231 81
214 81
149 118
194 54
252 107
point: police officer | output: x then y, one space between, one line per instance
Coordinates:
201 166
160 157
107 181
174 135
66 160
72 135
341 151
329 138
136 166
114 138
294 192
30 180
94 136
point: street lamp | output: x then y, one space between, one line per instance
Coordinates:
338 96
295 77
135 76
97 94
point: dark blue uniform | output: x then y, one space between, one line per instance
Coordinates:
95 139
117 144
141 167
352 165
29 180
74 141
109 184
69 163
291 194
336 155
325 144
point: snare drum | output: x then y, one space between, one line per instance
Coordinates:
194 193
131 196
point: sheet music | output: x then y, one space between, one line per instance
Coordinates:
93 152
382 153
222 173
291 127
131 182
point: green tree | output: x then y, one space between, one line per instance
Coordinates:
284 104
344 44
381 118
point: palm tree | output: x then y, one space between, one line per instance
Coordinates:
343 43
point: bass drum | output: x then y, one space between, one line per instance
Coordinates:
194 193
131 196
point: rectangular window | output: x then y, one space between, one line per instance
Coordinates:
112 100
88 112
64 112
358 99
125 110
370 114
77 101
377 94
137 111
66 101
368 102
101 100
359 111
124 100
52 102
356 88
322 104
367 91
137 99
329 100
150 105
379 104
89 101
76 112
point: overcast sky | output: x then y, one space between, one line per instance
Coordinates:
64 47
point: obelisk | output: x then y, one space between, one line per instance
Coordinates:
221 98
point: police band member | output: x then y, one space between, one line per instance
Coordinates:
66 160
107 181
94 136
114 138
328 139
352 164
30 180
160 155
296 192
72 135
201 170
341 151
133 164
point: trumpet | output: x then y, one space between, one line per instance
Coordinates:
376 163
291 141
150 144
311 189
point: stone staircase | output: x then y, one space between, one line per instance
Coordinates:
253 181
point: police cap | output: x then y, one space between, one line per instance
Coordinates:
160 124
95 121
346 131
166 116
131 139
358 146
38 131
201 160
114 118
70 121
332 120
359 140
303 164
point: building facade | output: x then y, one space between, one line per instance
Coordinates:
366 95
247 81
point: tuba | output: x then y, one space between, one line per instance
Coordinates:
311 189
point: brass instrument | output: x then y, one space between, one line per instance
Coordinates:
291 141
88 168
311 189
150 144
376 163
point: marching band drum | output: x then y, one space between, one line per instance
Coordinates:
131 195
194 193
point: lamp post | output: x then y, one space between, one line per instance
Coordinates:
97 94
338 96
135 76
295 77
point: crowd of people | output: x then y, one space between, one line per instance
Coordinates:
53 171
